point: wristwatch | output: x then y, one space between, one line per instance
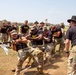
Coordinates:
66 51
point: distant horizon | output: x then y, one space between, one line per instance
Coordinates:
34 21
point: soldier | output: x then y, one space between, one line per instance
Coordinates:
58 38
47 36
13 27
8 29
8 26
36 24
4 31
19 44
41 26
24 28
71 36
16 26
36 38
63 30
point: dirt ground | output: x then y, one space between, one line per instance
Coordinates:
58 65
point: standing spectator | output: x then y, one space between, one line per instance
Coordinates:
8 25
4 31
71 36
16 26
36 24
42 26
63 30
8 29
13 27
24 28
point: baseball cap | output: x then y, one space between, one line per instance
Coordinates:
33 28
13 32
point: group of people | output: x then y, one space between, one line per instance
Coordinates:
6 28
42 45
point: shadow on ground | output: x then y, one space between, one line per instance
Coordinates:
55 59
34 73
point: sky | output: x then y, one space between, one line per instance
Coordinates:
55 11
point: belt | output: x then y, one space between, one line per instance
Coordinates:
25 49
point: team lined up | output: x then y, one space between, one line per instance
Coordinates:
43 42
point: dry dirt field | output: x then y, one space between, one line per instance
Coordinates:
58 65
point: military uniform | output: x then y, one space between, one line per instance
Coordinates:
63 30
24 52
4 33
24 29
58 39
37 45
71 35
8 30
34 53
48 44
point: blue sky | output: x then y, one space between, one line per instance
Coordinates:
56 11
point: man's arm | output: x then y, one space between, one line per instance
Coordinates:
22 40
56 34
29 37
67 45
39 37
14 42
47 39
13 46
